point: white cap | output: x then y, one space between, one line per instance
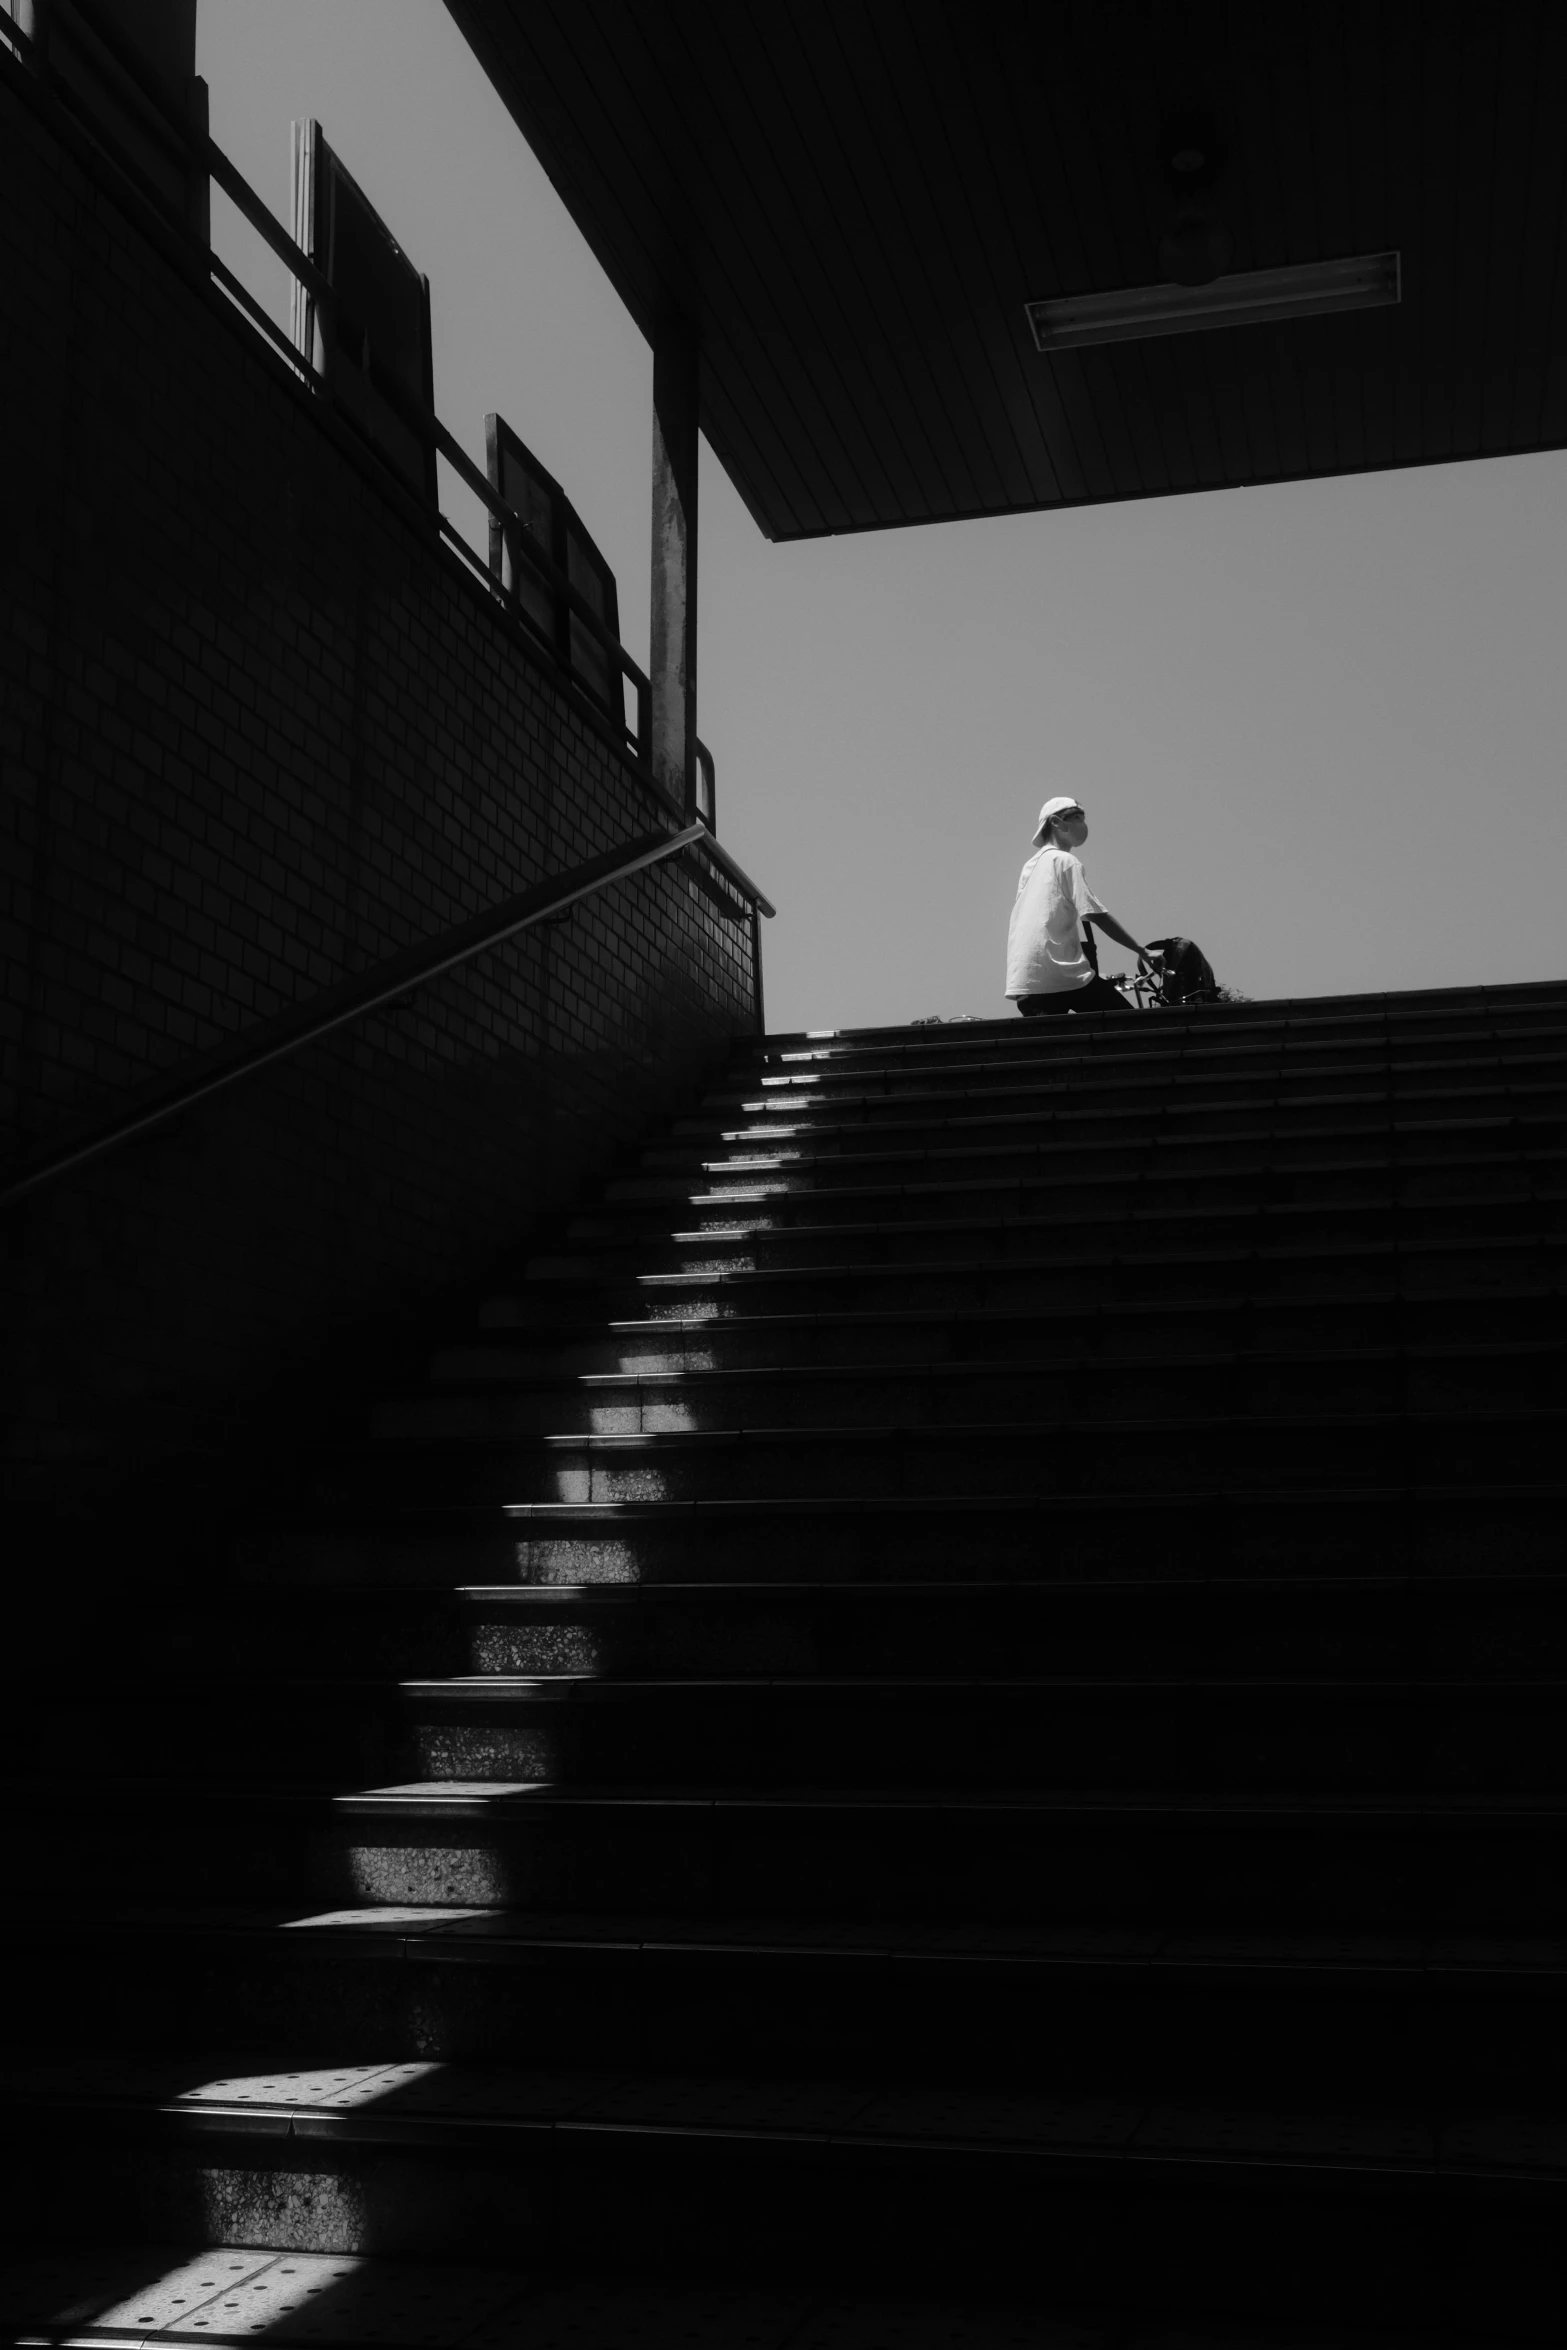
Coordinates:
1056 807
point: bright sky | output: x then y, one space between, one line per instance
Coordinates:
1320 729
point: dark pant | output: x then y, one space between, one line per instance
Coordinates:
1097 996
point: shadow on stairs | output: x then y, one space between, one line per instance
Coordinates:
945 1729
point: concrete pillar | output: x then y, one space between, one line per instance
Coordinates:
672 654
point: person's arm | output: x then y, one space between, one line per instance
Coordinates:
1108 922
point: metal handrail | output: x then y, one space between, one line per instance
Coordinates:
719 855
352 999
201 149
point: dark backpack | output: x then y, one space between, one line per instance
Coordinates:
1187 975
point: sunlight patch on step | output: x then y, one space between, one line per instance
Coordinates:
613 1467
174 2296
730 1228
761 1153
741 1191
722 1194
381 1919
442 1878
192 2296
611 1417
437 1791
284 2289
448 1866
667 1417
339 2088
524 1752
551 1562
678 1310
234 2295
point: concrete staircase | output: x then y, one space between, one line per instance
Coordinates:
961 1696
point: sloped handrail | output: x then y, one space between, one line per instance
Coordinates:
351 999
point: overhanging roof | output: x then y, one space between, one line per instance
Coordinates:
854 203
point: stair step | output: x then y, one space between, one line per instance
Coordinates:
1262 1204
1252 1188
1110 1328
1370 1860
1440 1012
1170 1120
1081 1450
759 1281
1432 1530
1164 1855
1431 1144
1009 1053
1222 1383
1290 1733
829 1272
1477 1627
1013 1064
662 2171
1289 1730
1474 1626
110 2296
984 1284
982 1123
1177 2011
1375 1058
434 2107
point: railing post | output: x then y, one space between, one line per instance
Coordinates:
672 653
756 968
706 787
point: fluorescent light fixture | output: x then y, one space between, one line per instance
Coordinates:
1252 298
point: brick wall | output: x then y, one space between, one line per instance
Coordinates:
259 731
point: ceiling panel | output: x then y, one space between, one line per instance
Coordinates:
854 202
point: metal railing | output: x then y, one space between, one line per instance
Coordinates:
196 149
711 866
385 983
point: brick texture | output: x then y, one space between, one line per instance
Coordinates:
260 730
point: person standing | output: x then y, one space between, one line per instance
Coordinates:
1048 969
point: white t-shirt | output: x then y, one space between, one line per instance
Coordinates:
1045 939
